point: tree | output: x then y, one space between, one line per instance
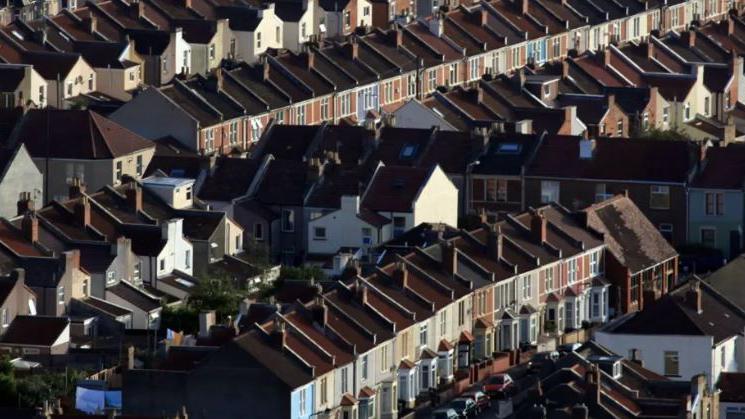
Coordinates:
305 273
664 135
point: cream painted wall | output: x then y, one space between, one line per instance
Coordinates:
437 201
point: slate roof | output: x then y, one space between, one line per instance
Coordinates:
501 158
51 65
630 159
35 330
106 307
10 77
724 168
727 280
134 296
631 237
394 188
673 314
87 135
230 179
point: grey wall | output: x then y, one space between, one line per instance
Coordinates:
21 175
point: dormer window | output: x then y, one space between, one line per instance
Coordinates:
508 148
408 151
546 90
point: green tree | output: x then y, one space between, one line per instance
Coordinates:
302 273
664 135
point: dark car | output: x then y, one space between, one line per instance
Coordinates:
498 385
444 414
481 399
543 361
464 407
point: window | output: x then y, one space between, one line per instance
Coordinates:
347 19
515 57
431 80
461 313
258 232
635 28
549 279
319 233
473 68
277 36
675 18
345 104
162 264
601 192
666 230
364 367
412 85
209 139
423 335
723 358
659 197
212 51
187 258
526 287
595 304
666 114
594 265
324 108
709 237
556 47
301 402
119 171
367 236
572 271
634 289
399 226
90 82
453 73
366 11
288 220
302 30
384 357
344 380
714 203
324 390
619 128
138 167
280 117
69 89
645 120
672 367
546 90
706 105
300 115
387 92
687 111
258 40
5 317
443 322
233 132
61 295
549 191
232 47
164 65
41 95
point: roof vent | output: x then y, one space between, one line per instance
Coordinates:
587 148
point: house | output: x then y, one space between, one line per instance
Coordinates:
36 335
67 75
725 280
118 67
22 87
19 176
145 308
693 329
253 30
395 200
92 148
715 201
640 277
16 299
732 394
578 172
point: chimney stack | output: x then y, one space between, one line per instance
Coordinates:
538 225
449 257
30 227
401 275
354 48
525 6
311 59
219 78
77 188
484 16
134 197
25 203
494 242
650 48
320 311
279 334
93 24
82 212
730 24
636 358
693 296
690 36
141 9
606 56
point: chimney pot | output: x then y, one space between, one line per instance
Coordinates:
401 275
77 188
25 203
30 227
83 212
449 257
538 226
134 197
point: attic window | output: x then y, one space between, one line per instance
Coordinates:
17 35
508 148
408 151
398 183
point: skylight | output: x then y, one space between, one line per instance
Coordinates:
508 148
408 151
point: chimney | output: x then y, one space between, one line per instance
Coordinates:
311 59
730 25
611 100
82 212
565 69
690 36
93 24
650 48
538 225
525 6
266 68
693 296
219 78
354 48
77 188
141 9
187 4
30 227
606 56
436 24
320 311
449 257
484 16
636 358
401 275
279 334
25 203
494 242
592 381
398 36
206 321
130 357
134 197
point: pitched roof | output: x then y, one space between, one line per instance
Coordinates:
230 179
87 135
134 296
674 314
630 236
10 77
394 188
732 386
613 159
35 330
723 168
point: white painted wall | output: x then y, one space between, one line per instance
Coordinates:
437 201
343 228
174 253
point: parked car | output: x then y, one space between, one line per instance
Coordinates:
464 407
481 399
444 414
498 384
542 360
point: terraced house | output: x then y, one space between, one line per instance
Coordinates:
372 344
